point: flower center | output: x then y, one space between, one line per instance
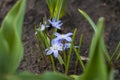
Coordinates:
63 36
55 47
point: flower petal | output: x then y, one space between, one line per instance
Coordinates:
46 49
53 20
49 52
36 33
68 34
57 26
76 46
58 22
50 21
55 41
60 48
47 26
57 34
69 39
42 27
55 23
56 53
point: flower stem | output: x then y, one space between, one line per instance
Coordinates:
79 58
79 49
70 52
53 63
117 49
65 58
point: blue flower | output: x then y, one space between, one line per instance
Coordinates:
36 33
67 45
54 49
55 23
60 37
43 26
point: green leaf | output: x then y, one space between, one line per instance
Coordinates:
79 58
10 34
56 8
96 64
60 59
43 38
51 6
93 25
4 50
87 17
118 56
110 74
116 50
70 52
45 76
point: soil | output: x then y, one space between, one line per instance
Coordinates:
37 9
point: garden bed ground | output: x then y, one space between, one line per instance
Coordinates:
37 9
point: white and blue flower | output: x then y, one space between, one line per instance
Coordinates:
55 48
43 26
60 37
55 23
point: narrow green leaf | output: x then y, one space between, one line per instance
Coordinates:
115 52
56 8
51 6
70 52
79 58
11 30
96 63
53 63
78 52
118 56
88 19
60 8
43 38
60 59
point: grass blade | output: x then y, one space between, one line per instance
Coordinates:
88 19
70 52
96 63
